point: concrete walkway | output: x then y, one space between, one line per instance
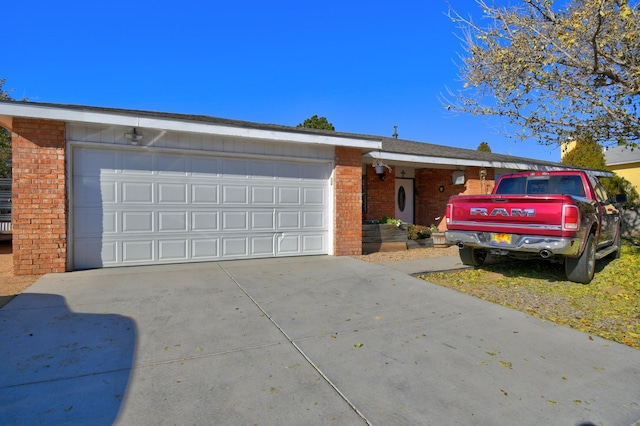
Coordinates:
309 340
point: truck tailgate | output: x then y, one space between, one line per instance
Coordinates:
516 214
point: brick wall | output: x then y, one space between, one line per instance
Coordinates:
431 203
39 197
348 202
380 194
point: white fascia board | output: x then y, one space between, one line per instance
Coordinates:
115 119
423 159
511 165
245 132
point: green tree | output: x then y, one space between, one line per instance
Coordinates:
554 70
484 147
5 139
587 153
316 122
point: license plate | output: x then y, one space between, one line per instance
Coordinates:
501 238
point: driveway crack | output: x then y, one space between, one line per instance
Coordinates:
297 348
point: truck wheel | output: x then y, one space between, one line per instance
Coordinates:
581 269
472 257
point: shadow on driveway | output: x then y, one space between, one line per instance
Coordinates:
62 367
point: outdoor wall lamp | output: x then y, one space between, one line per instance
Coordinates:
134 136
457 177
380 166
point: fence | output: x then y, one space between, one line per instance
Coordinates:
5 206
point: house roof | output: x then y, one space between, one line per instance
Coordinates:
183 123
375 147
617 155
399 150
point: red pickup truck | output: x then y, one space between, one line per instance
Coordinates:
563 216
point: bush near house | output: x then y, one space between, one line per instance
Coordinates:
418 232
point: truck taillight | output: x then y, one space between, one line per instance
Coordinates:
447 214
570 218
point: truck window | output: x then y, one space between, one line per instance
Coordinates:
570 185
512 186
556 185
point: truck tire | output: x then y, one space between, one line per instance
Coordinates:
581 269
472 257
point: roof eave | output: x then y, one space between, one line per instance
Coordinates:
461 162
146 120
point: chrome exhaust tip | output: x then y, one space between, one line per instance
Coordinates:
545 254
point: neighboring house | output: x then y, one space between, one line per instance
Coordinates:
625 162
100 187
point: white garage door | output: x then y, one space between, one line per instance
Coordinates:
140 208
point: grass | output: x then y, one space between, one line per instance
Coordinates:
608 307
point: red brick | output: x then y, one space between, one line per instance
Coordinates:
39 196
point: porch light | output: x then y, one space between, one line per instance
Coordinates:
457 177
380 166
134 136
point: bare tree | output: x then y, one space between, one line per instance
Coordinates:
554 72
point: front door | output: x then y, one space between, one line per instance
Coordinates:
404 200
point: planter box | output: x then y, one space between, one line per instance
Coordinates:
383 237
438 240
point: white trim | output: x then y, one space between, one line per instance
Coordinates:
427 160
131 120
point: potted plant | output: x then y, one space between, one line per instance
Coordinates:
438 237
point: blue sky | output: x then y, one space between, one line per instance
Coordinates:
366 66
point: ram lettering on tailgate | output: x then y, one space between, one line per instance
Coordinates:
500 211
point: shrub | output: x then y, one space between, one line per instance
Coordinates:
418 232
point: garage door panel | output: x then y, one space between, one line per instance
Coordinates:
172 249
137 251
204 221
262 246
314 196
137 192
235 247
234 221
137 222
90 191
289 195
289 244
172 221
313 243
204 194
313 220
205 248
263 195
172 193
234 194
263 221
188 207
288 220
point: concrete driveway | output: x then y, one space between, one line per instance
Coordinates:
307 340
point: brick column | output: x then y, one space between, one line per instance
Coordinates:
348 202
39 198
